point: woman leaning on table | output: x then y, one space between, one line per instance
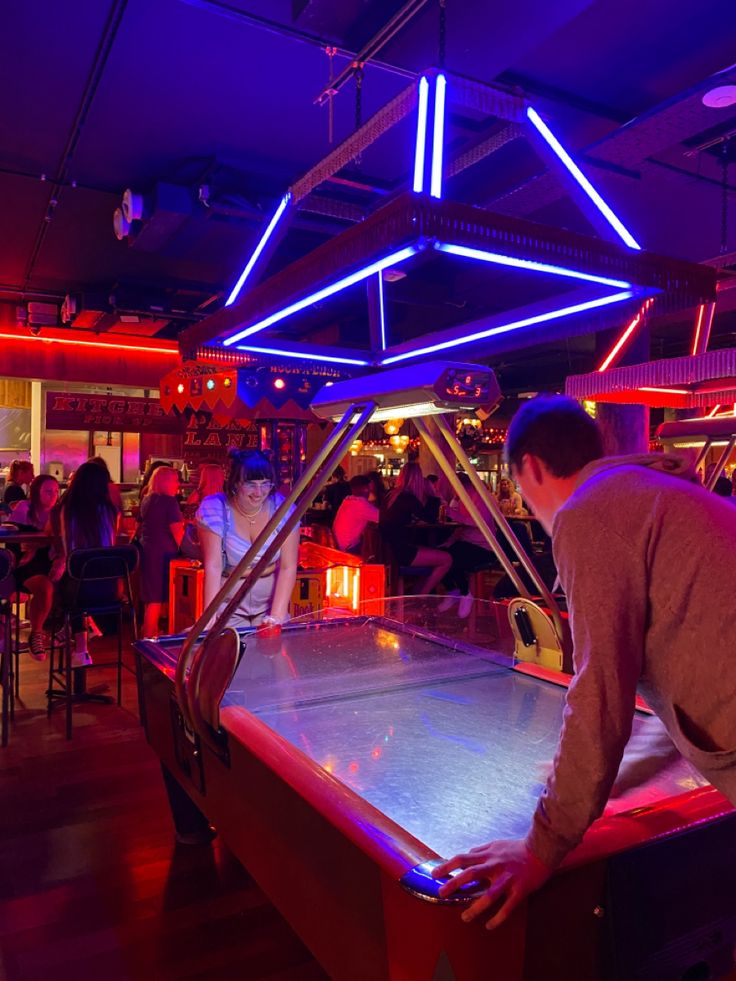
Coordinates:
228 523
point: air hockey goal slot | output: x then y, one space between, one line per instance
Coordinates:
535 639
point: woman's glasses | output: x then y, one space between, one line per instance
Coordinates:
255 485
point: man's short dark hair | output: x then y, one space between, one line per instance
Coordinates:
359 483
556 429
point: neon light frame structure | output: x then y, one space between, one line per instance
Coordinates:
511 326
381 310
576 173
531 265
625 335
392 259
436 165
438 136
257 251
698 328
420 146
280 353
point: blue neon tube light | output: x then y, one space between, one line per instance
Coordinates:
565 158
381 311
393 259
533 266
438 136
421 143
258 249
514 325
332 358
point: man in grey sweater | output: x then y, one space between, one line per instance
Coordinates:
647 559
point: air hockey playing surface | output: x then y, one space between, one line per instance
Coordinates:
357 750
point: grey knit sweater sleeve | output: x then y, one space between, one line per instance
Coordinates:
608 581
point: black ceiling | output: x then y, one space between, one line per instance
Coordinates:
101 95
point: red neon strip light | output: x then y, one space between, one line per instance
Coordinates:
628 330
698 325
79 343
667 391
713 412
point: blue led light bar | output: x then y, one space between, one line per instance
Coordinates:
258 249
421 143
530 264
333 359
514 325
381 311
393 259
565 158
438 136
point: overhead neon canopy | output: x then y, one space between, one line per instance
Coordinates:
578 277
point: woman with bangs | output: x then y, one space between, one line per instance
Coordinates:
230 522
407 504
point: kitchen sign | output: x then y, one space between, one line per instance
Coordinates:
114 413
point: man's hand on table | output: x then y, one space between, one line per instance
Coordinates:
511 869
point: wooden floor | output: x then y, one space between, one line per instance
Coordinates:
92 885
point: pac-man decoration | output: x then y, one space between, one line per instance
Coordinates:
257 391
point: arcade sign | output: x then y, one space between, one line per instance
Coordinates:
271 392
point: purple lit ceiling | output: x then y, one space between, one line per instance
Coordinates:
107 94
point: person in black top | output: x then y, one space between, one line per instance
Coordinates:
377 490
407 503
336 492
21 472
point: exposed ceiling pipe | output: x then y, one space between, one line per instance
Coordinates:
275 27
379 40
112 25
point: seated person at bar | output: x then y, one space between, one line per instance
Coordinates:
469 551
353 515
84 518
509 499
337 490
115 495
160 535
230 522
636 543
33 563
377 490
404 505
21 475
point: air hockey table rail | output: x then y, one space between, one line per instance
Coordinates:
351 754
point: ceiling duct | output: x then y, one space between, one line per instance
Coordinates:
87 311
150 221
42 314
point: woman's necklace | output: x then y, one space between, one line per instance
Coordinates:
250 516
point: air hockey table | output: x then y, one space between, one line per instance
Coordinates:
345 756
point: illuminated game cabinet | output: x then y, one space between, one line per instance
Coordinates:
341 758
326 579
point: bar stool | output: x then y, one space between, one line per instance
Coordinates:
95 579
7 564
